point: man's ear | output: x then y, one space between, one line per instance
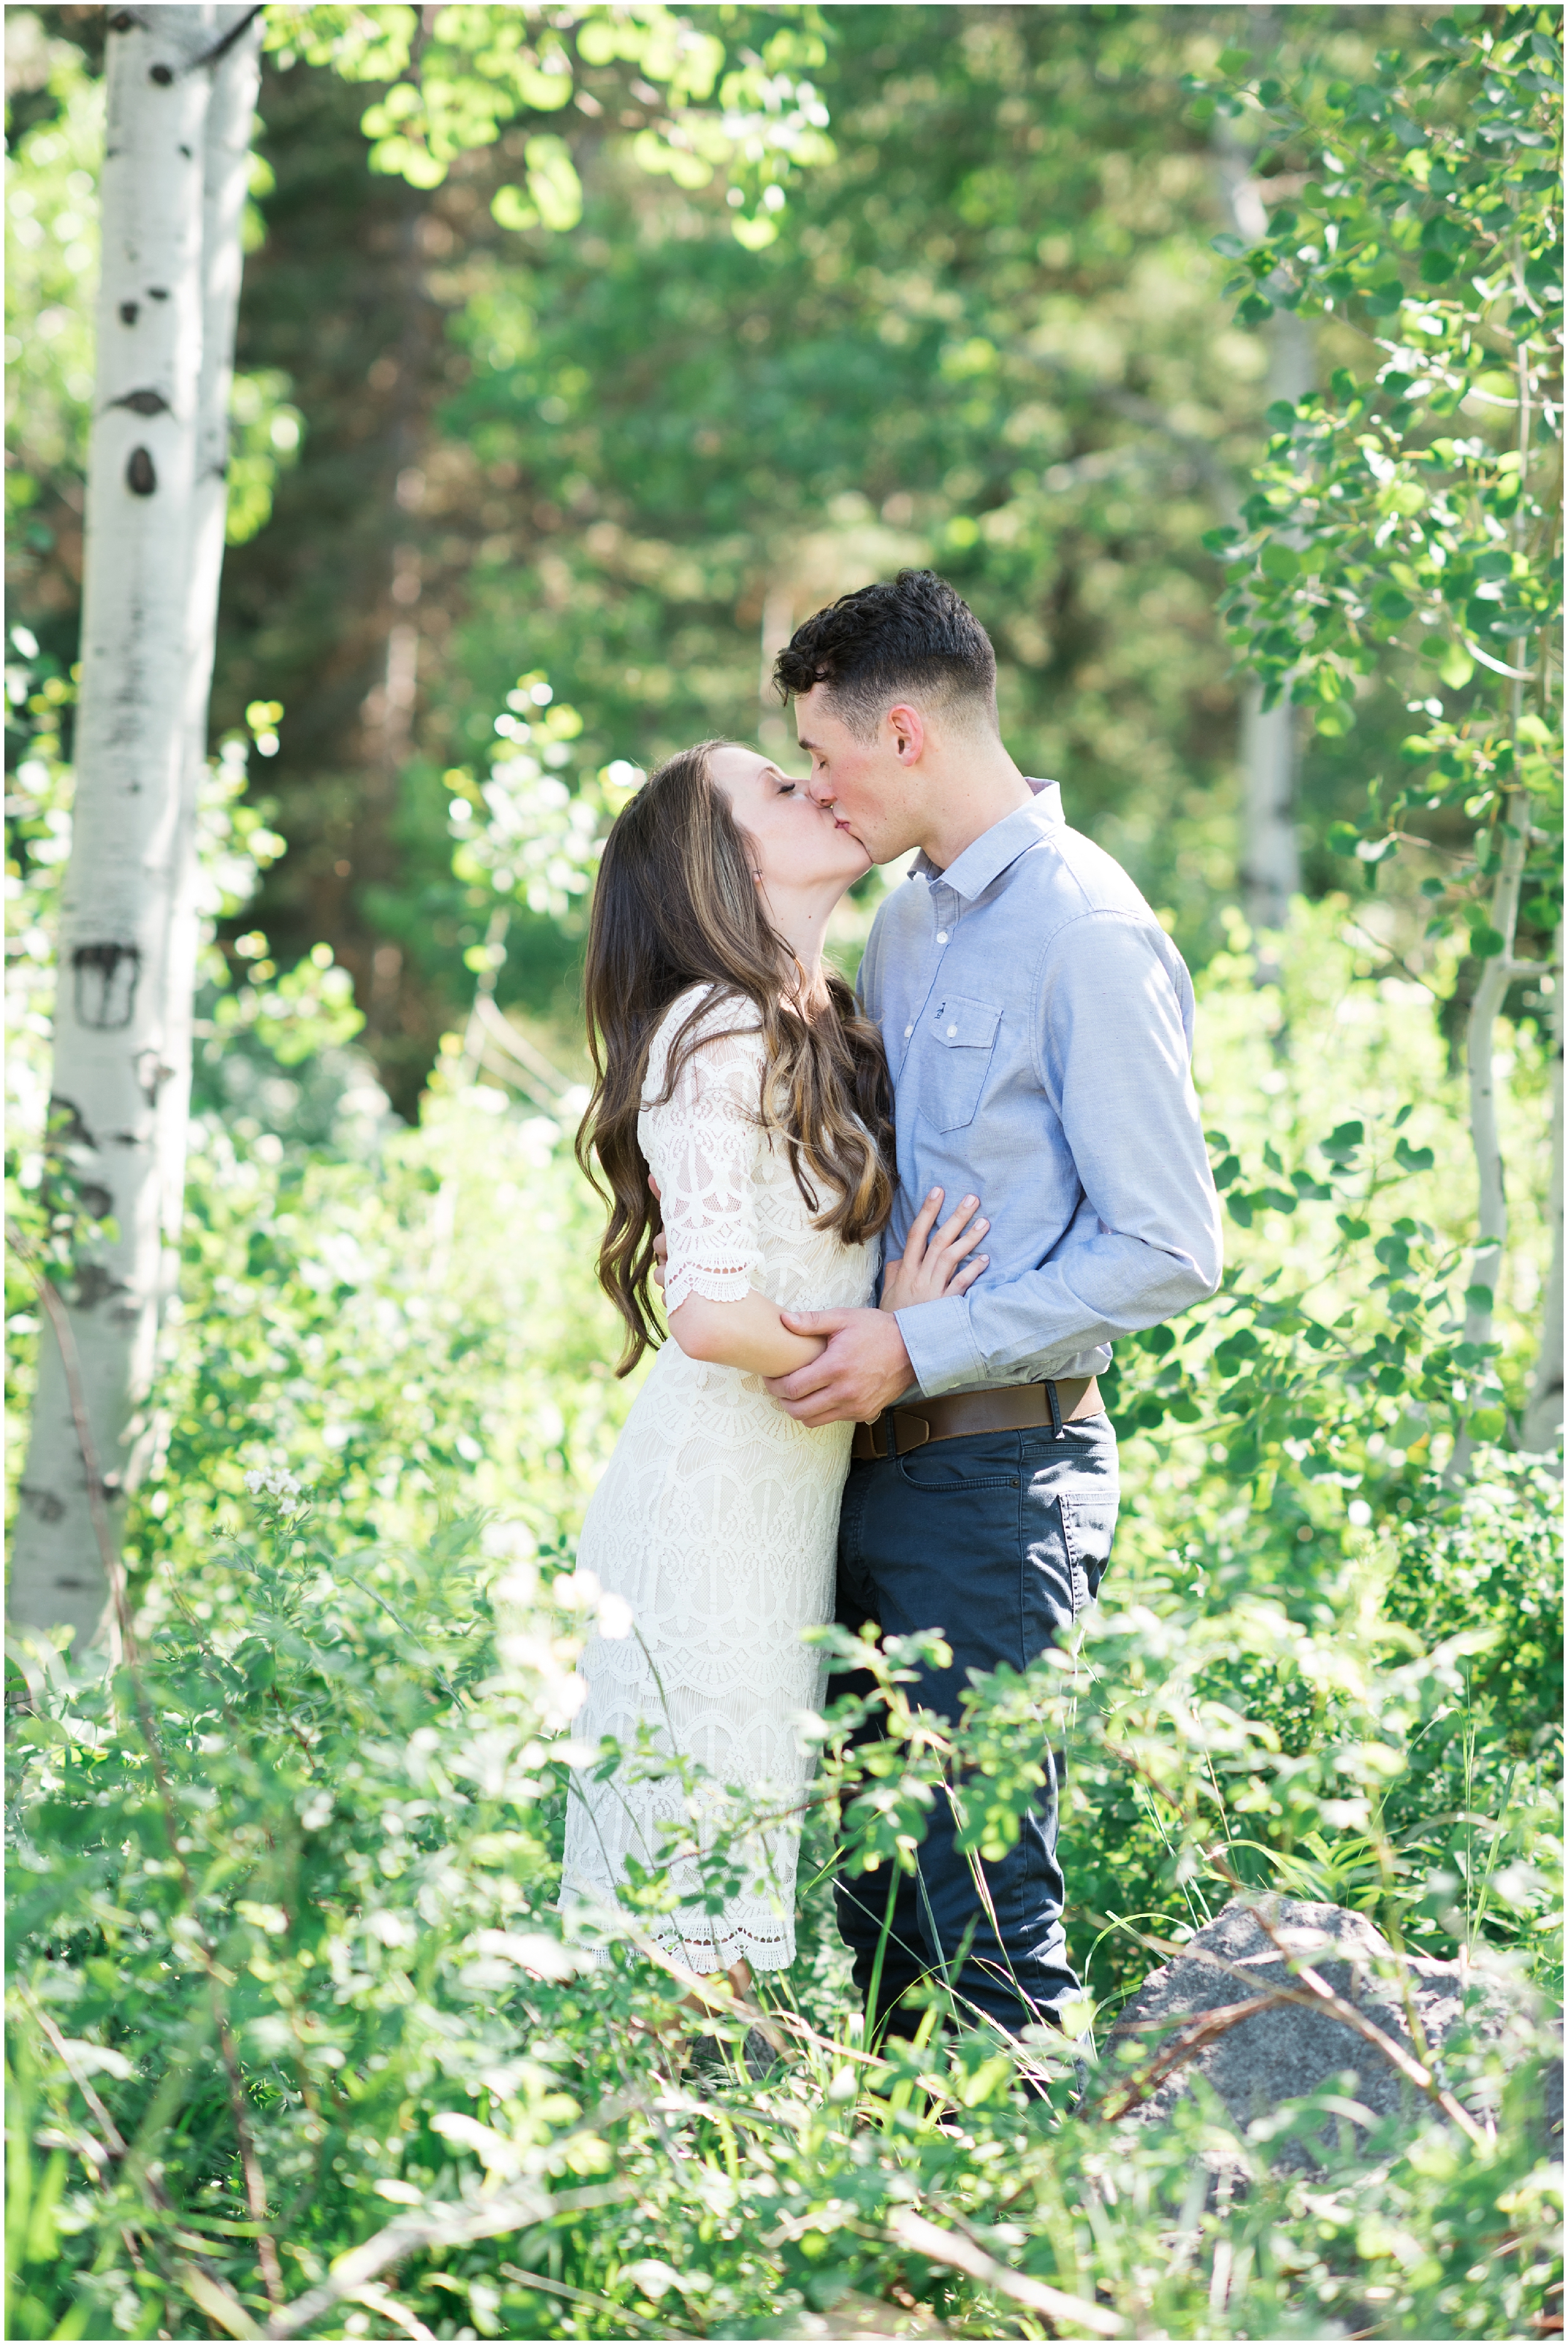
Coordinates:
907 729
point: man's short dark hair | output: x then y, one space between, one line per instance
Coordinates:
913 638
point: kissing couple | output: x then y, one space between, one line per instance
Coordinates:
900 1231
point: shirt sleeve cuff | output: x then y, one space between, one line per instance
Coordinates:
941 1344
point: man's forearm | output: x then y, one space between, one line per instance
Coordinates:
1018 1329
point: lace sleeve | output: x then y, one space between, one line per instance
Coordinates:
702 1145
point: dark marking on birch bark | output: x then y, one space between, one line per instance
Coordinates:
129 312
44 1504
67 1126
143 402
140 478
151 1076
124 20
94 1285
162 75
96 1201
105 980
158 292
235 32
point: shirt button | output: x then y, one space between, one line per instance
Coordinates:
908 1032
941 936
951 1031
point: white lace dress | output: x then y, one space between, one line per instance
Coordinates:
717 1522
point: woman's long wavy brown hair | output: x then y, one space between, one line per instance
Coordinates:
676 904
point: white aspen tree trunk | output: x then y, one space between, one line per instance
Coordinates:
121 1077
1542 1427
236 75
1270 863
1492 1191
1501 969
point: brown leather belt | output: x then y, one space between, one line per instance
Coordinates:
1003 1408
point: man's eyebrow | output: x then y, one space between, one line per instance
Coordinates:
807 744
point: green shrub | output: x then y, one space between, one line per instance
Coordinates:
283 1917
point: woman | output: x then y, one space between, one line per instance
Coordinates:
737 1081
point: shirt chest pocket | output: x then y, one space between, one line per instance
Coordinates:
960 1039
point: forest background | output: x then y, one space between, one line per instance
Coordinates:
629 454
523 494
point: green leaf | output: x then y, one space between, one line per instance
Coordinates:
1233 62
553 183
1485 943
1455 668
1280 562
1255 309
1343 838
510 207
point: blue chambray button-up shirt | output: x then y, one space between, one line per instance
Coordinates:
1038 1024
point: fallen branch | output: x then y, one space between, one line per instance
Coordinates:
1320 1996
1180 2050
569 2294
515 2208
938 2247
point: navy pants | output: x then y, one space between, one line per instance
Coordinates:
999 1541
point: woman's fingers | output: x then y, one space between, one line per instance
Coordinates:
920 1228
959 1236
946 1236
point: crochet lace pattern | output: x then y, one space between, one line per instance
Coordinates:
717 1520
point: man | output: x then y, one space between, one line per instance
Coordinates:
1038 1026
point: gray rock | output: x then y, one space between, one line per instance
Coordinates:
1287 2052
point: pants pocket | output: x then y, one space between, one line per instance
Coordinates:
1088 1527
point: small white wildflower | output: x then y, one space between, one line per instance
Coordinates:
272 1482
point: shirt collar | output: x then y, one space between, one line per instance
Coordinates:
987 857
